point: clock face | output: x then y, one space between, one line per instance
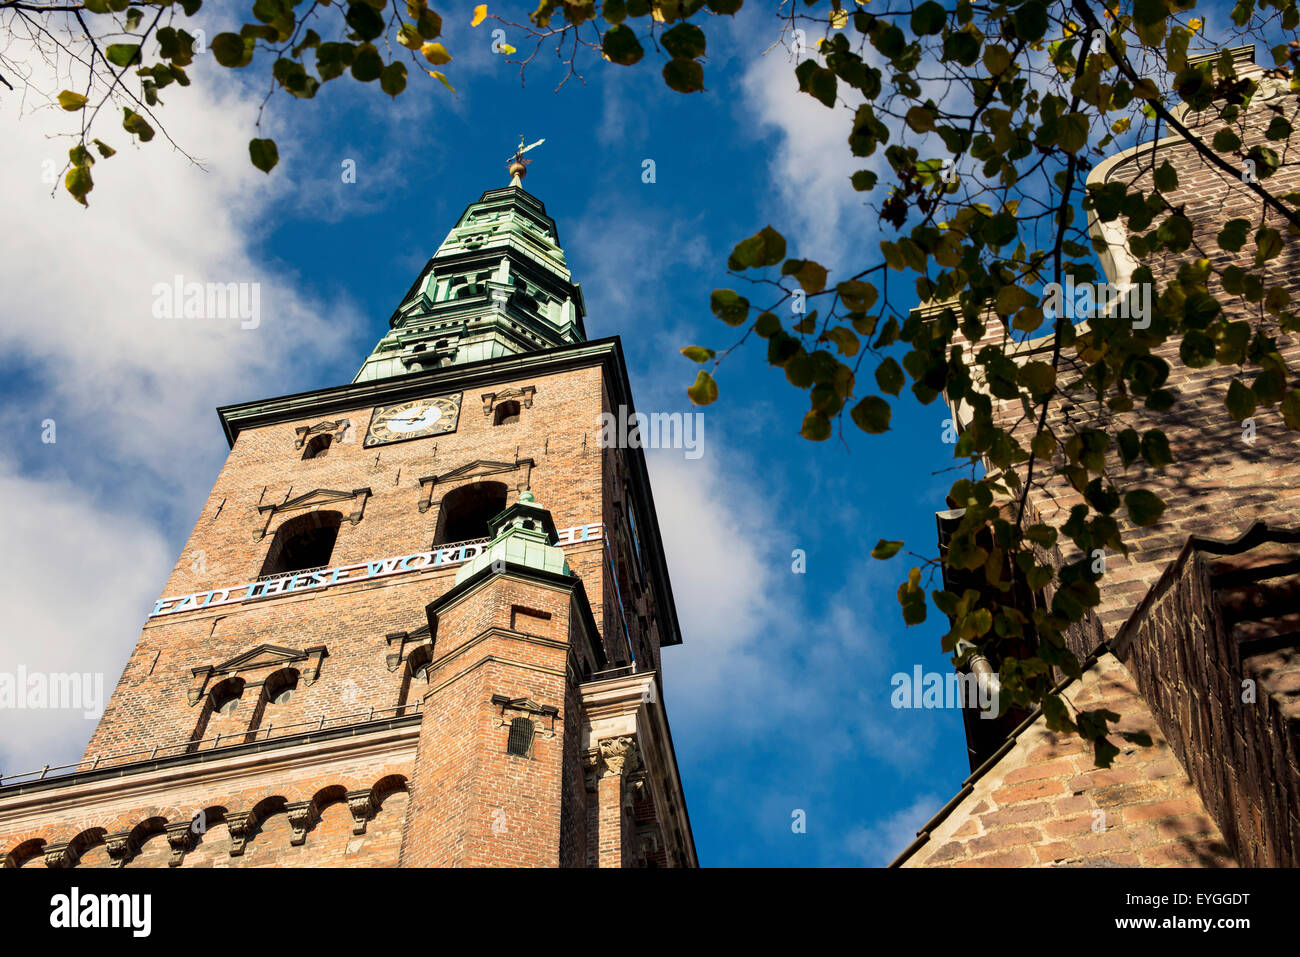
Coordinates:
415 419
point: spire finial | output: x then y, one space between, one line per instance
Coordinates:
517 165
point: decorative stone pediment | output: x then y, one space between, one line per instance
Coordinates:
512 708
401 639
518 473
524 396
313 500
265 658
336 428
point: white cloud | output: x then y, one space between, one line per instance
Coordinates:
810 167
76 582
878 843
132 396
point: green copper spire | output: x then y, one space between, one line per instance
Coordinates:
498 285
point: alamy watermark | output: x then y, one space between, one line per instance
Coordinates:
1086 300
932 689
179 299
653 430
52 691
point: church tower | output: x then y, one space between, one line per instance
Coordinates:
419 620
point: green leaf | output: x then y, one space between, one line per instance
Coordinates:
1038 377
1226 141
683 75
1234 234
1144 507
844 339
810 275
919 119
928 19
232 50
1268 243
429 24
704 391
435 53
367 65
393 78
872 415
621 45
78 182
1278 129
767 325
1240 401
817 82
764 248
816 427
1166 178
333 58
365 21
1072 132
134 123
71 101
698 353
728 306
885 549
122 54
1030 20
1155 449
264 154
684 40
857 296
889 376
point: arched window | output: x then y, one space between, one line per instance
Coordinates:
416 675
318 446
521 738
506 412
464 513
278 689
218 715
301 543
225 696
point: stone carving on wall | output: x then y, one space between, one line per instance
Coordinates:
313 500
263 656
336 428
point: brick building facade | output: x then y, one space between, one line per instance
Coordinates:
419 620
1197 638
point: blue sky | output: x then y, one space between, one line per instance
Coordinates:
780 696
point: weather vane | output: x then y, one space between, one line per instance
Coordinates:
517 166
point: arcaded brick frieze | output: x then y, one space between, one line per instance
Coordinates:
340 802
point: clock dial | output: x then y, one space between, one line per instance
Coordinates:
415 419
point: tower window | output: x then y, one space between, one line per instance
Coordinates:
521 738
318 446
506 413
464 513
281 686
301 543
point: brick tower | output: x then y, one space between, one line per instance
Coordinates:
419 620
1196 642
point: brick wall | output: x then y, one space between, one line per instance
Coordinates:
1045 804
